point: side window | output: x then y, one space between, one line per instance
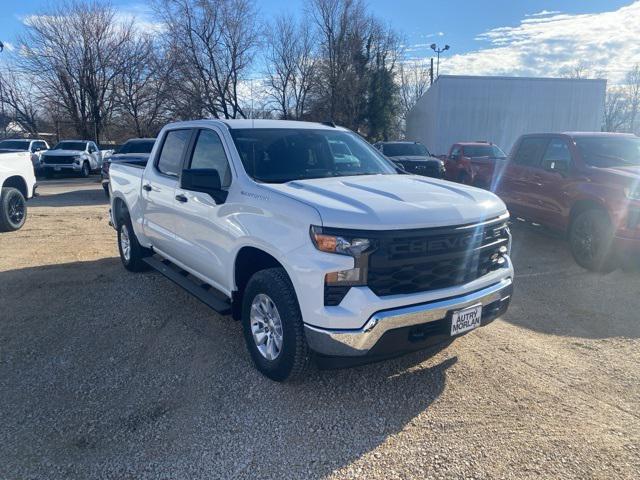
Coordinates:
455 153
209 153
91 148
42 146
170 160
557 151
530 151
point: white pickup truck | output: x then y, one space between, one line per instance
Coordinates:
343 261
17 185
72 156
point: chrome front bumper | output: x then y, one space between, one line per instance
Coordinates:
350 343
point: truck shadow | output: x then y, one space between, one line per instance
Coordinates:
86 196
555 295
113 374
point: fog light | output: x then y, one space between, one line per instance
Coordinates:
344 277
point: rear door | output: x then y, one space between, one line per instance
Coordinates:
514 182
159 185
451 164
201 230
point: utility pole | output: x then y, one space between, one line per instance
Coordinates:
431 72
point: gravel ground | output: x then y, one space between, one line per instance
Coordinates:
107 374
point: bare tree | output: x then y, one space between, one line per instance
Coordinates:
414 77
18 99
75 52
143 86
633 96
615 110
214 41
291 66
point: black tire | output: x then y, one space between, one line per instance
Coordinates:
13 209
86 170
591 238
133 260
294 357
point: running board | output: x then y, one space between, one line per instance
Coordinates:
202 291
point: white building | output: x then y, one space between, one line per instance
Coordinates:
500 109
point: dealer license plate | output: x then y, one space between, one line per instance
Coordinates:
466 319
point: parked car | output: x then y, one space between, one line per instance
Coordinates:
135 150
316 257
412 157
34 146
72 156
472 163
17 185
584 184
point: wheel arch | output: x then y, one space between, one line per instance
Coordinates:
582 206
119 210
17 182
248 261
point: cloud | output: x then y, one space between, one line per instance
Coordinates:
552 44
542 13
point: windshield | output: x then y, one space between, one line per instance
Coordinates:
491 151
67 145
609 151
14 145
283 155
137 146
405 150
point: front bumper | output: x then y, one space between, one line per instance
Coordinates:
409 328
62 168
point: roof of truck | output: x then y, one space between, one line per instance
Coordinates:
251 123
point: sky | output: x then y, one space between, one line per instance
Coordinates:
490 37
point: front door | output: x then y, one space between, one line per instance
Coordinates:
550 181
202 228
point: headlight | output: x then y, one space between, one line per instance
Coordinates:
338 244
356 247
632 193
76 159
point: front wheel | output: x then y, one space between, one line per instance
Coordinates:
131 252
591 238
86 170
13 209
273 328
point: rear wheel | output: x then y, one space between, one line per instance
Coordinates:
591 237
131 252
273 328
13 209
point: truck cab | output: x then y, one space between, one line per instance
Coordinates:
584 184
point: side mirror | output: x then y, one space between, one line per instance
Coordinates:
560 166
205 180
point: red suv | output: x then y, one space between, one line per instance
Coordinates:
472 163
584 184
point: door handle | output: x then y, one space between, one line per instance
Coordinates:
146 187
181 198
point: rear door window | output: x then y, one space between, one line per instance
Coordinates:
530 151
173 148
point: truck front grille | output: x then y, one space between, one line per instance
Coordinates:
59 160
411 261
424 169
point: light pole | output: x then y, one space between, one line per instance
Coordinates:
438 51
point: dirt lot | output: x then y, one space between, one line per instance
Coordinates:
107 374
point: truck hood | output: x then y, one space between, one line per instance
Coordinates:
58 153
392 202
